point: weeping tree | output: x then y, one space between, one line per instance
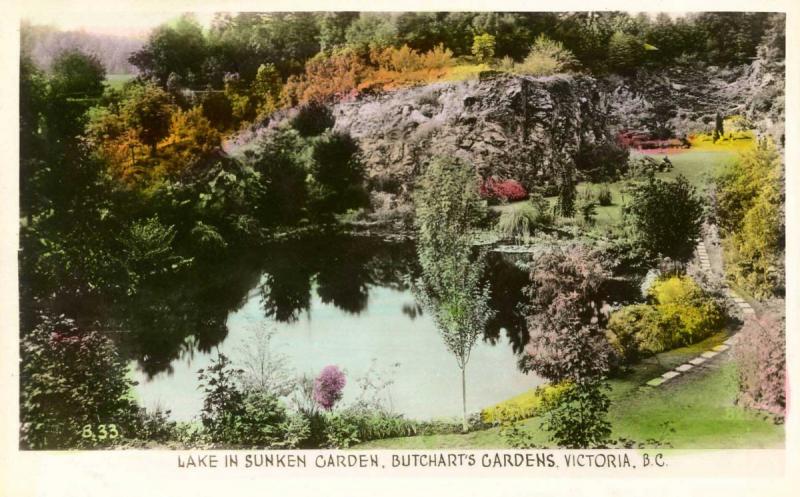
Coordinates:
448 209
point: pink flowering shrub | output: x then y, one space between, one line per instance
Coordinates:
761 354
506 190
328 387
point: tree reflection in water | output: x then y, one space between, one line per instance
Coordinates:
173 318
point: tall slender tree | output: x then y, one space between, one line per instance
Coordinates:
448 209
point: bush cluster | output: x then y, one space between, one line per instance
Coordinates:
761 357
750 200
496 190
527 405
520 222
604 161
74 387
680 314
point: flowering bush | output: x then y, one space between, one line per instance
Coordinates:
504 191
328 387
75 392
761 354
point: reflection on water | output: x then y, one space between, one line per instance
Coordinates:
340 301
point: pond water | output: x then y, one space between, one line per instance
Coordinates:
341 301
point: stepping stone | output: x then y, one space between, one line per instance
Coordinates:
720 348
698 361
749 311
709 354
684 367
655 382
669 375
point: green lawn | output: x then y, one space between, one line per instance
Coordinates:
699 406
116 81
698 166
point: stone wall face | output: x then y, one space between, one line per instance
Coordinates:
511 126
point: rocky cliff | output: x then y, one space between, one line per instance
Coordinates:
512 126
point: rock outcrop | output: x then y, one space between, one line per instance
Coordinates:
511 126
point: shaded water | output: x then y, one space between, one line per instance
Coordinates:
341 301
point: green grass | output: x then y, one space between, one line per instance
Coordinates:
117 81
698 166
700 406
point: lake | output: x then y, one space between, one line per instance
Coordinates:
329 301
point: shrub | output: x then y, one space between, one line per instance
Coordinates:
547 57
604 197
666 217
506 64
604 161
682 314
208 238
564 323
336 179
526 405
505 191
147 250
587 206
328 76
253 418
518 223
750 209
72 381
328 387
483 47
312 119
761 356
156 426
633 331
625 52
577 420
438 57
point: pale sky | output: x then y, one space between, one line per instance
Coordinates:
113 23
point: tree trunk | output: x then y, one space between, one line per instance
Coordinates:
465 426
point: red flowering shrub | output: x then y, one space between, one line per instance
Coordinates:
505 191
328 387
761 354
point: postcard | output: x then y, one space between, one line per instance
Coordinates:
262 248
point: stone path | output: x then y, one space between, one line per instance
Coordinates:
713 352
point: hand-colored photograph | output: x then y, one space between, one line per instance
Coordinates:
405 230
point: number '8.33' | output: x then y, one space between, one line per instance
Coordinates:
100 432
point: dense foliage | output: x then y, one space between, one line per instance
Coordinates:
680 313
75 391
750 205
565 322
666 217
567 345
239 416
761 355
